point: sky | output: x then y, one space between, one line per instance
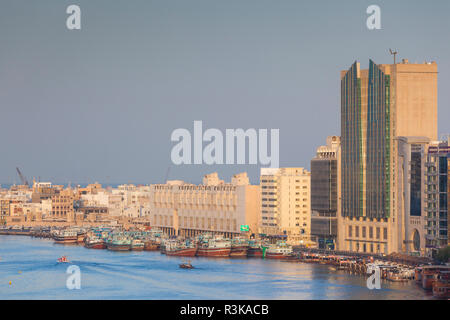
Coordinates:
101 103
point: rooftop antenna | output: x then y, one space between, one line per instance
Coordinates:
167 174
394 53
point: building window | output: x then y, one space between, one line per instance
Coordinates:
385 234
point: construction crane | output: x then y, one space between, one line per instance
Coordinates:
22 178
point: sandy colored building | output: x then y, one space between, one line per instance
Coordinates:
63 205
411 193
4 210
214 206
286 203
377 105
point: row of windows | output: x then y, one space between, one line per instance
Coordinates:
364 233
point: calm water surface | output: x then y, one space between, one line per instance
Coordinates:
30 265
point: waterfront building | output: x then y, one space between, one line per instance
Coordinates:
437 195
181 208
43 191
4 210
410 191
63 205
93 213
324 193
286 203
377 105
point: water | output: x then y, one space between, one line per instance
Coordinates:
30 264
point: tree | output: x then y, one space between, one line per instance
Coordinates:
443 255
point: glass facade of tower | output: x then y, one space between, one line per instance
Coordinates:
437 195
324 186
378 144
373 182
416 180
351 144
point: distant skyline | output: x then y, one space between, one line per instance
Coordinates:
100 103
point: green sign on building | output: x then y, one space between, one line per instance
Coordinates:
245 227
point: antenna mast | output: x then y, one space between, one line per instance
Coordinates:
394 53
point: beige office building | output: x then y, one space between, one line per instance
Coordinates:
378 105
181 208
286 203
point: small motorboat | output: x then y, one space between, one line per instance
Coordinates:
187 265
63 259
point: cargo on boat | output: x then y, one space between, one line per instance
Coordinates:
65 236
119 244
181 248
137 245
95 243
151 245
216 246
255 248
281 250
239 247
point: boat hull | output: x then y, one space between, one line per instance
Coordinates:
119 247
66 240
151 246
98 245
81 237
238 251
214 252
280 256
254 252
441 290
188 252
427 282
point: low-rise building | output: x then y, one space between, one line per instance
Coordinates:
214 206
286 203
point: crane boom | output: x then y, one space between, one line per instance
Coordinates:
22 178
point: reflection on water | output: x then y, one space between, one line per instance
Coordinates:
30 264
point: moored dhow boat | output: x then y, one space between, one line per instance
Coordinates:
95 243
65 236
151 245
16 230
430 273
214 247
119 244
185 248
256 248
281 250
239 247
441 286
137 245
81 235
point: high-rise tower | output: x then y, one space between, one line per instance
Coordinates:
377 105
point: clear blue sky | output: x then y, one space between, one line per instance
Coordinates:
100 104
